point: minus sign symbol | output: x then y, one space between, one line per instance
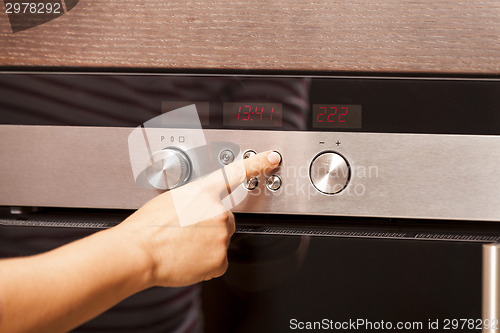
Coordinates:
321 142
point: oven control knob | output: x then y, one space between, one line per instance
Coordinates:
329 172
170 168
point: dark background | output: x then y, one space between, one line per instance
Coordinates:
342 279
272 279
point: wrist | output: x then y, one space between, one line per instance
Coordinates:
138 261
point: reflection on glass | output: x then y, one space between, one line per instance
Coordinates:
130 100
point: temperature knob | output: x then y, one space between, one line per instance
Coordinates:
329 172
170 168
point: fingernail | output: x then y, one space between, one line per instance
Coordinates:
274 157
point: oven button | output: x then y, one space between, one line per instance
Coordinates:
251 183
248 154
329 172
273 183
226 156
281 157
170 168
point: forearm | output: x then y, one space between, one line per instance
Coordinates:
61 289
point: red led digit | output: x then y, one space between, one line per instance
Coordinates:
331 114
272 110
239 111
321 114
257 111
247 112
343 114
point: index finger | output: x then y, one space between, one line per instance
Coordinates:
237 172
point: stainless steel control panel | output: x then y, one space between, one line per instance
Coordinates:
322 173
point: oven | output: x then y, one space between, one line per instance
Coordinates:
388 185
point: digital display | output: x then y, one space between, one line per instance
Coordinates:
336 116
259 115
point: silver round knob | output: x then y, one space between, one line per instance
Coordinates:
329 172
251 183
273 182
170 168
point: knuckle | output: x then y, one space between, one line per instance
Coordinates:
219 260
259 165
222 261
225 216
262 162
221 270
224 266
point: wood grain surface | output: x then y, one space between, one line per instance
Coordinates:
445 36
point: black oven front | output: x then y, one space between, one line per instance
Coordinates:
364 160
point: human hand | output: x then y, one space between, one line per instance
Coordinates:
181 256
150 248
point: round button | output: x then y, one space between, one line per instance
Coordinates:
248 154
329 172
251 183
226 156
170 168
281 157
273 183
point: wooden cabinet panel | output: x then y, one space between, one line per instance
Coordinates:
445 36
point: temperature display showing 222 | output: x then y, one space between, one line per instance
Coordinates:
336 116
